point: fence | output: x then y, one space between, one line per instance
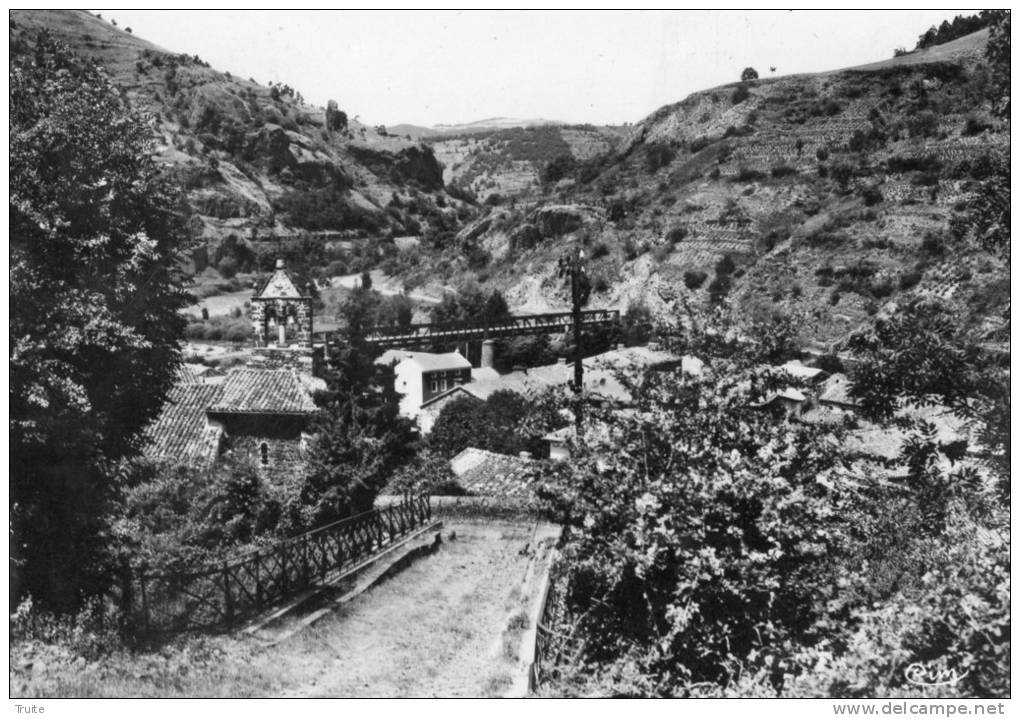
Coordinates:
222 595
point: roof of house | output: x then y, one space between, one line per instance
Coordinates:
486 473
799 371
636 357
264 391
181 432
424 360
836 390
448 394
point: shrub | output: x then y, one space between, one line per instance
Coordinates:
822 154
676 234
719 288
700 143
694 278
658 155
725 265
909 280
746 174
783 171
227 267
871 194
933 244
748 74
976 124
922 124
842 173
740 93
600 250
913 163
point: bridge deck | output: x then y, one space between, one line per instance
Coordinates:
427 333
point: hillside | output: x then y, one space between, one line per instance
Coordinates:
834 195
509 161
256 161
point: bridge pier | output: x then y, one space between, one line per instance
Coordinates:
488 357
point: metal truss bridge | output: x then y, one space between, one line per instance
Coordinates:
393 337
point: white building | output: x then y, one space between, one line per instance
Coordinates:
421 376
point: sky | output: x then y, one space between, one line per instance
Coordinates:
448 67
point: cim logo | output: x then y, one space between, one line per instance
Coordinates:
923 675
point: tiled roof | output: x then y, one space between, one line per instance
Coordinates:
263 391
181 432
486 473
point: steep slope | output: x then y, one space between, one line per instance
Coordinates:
257 162
834 196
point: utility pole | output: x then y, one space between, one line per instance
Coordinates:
571 265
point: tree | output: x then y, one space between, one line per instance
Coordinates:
95 292
366 280
748 74
361 439
696 523
502 423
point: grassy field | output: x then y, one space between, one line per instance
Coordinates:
435 629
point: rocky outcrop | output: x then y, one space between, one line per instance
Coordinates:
411 164
556 220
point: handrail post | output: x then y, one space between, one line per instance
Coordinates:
258 581
305 573
228 601
283 569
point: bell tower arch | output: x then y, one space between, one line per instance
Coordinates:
279 309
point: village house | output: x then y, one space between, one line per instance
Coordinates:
419 377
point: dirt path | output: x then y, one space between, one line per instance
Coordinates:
432 630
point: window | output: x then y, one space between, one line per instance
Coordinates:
264 454
434 386
459 380
444 383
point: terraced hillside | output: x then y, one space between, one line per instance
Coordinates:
835 195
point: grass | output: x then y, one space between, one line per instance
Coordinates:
428 631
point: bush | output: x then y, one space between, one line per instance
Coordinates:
842 173
746 174
871 194
725 265
658 155
676 235
783 171
933 244
909 280
922 124
600 250
227 267
749 74
694 278
719 288
740 93
822 154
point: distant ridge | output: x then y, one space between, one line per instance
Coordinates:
487 125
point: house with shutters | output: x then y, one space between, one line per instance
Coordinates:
419 377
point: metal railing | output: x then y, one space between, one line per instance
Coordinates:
216 596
